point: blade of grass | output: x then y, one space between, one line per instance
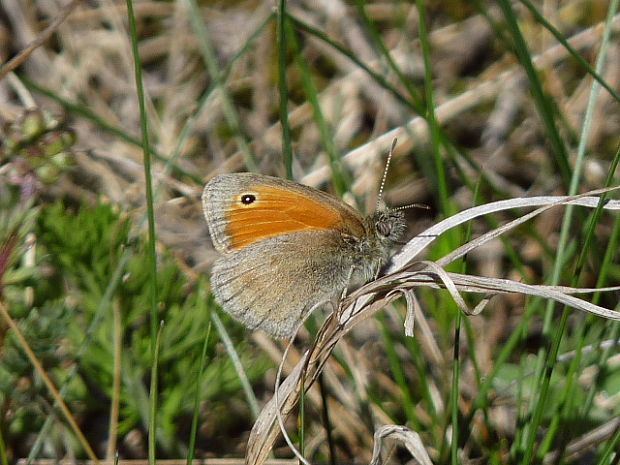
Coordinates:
101 123
194 429
440 173
546 372
331 446
610 453
234 357
4 459
604 271
339 176
560 38
543 102
398 374
455 390
153 395
380 44
281 32
146 146
228 108
117 342
568 399
208 93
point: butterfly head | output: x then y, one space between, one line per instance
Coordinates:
388 225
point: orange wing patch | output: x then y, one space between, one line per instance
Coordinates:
275 211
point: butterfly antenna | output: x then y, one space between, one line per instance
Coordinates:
413 205
385 172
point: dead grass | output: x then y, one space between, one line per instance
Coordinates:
483 103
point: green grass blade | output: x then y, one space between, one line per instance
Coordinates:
398 374
454 393
610 455
440 172
191 120
331 446
380 44
602 279
146 146
419 109
153 398
339 176
543 103
281 31
86 113
544 373
234 357
196 411
4 459
575 54
228 108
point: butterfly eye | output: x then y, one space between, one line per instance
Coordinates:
384 228
248 199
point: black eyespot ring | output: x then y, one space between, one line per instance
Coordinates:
247 199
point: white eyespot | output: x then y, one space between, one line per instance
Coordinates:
248 199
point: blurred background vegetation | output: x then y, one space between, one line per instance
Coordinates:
489 100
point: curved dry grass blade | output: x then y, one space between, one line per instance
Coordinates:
412 305
410 439
479 284
264 433
279 411
413 248
448 284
